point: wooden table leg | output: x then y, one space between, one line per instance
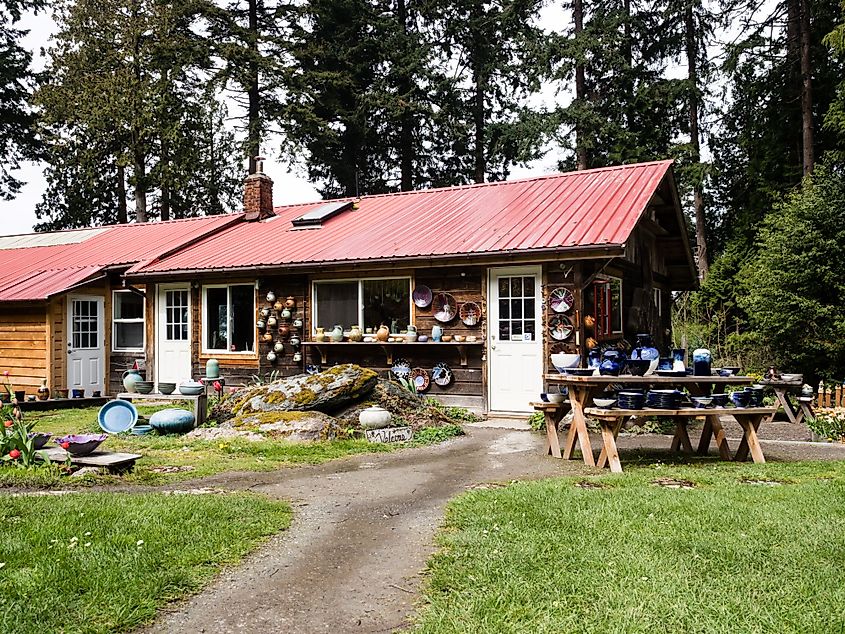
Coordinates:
552 419
609 429
579 397
713 427
786 404
616 425
750 424
681 439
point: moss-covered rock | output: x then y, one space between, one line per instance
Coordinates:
326 391
292 426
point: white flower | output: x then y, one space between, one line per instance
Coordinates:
87 533
87 544
140 542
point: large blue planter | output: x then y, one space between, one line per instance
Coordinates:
173 421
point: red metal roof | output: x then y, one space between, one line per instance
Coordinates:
30 273
597 207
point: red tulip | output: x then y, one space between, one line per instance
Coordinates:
14 454
65 445
217 386
8 423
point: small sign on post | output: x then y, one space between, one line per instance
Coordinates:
390 434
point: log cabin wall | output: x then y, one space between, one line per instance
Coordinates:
121 360
561 275
57 322
295 286
24 345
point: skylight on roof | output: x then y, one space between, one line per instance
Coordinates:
47 239
315 217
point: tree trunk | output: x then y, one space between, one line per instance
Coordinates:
165 180
406 121
122 216
806 90
580 87
253 93
138 153
697 188
140 173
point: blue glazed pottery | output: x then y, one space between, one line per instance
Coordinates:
665 363
594 358
679 356
173 421
117 416
720 400
645 349
637 367
701 359
212 369
741 399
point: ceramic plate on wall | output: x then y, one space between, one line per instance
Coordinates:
470 313
445 307
422 296
419 377
441 375
401 368
560 328
561 300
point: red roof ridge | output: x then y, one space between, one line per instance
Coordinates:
524 179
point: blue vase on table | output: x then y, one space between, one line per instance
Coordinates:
645 349
701 360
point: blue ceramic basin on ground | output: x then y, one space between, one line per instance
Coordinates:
173 421
117 416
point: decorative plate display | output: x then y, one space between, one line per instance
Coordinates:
470 313
401 368
422 296
312 369
560 348
419 377
560 328
442 375
445 307
561 300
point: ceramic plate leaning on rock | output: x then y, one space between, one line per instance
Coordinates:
419 377
441 375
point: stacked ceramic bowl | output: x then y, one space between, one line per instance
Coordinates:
630 400
664 399
756 392
741 399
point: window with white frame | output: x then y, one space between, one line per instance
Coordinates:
608 305
127 321
367 303
228 313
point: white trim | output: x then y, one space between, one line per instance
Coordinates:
360 280
159 290
114 320
204 320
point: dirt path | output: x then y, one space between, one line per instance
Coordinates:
364 528
362 532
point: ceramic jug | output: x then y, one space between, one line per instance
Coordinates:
43 391
355 334
337 333
383 333
436 332
212 369
320 335
290 302
130 378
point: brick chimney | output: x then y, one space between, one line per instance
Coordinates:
258 193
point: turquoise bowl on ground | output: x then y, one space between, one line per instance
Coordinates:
173 421
117 416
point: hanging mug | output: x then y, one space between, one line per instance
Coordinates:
297 356
284 331
272 321
277 307
271 356
271 296
295 341
260 324
297 323
286 313
265 312
290 302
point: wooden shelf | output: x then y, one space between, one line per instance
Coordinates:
390 347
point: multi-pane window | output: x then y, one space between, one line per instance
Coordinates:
176 315
367 303
608 304
85 328
517 300
127 320
229 318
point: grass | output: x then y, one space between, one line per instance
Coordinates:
735 553
204 457
106 562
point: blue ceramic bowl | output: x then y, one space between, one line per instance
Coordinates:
172 421
117 416
719 400
636 367
142 430
741 399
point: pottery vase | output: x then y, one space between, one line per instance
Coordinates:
320 335
271 297
436 333
278 347
271 356
383 333
286 314
645 349
679 356
337 333
355 334
290 302
43 391
272 321
212 369
374 418
594 358
130 378
278 307
284 331
701 359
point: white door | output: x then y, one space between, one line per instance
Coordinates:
85 344
515 360
173 338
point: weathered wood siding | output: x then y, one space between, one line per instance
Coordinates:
24 345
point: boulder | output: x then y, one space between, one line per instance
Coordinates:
292 426
406 407
326 391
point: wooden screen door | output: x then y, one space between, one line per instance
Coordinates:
85 343
515 359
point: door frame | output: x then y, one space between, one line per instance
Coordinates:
539 339
101 328
173 286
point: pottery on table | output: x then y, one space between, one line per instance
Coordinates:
355 334
460 338
212 369
604 403
383 333
320 335
552 397
43 392
701 359
374 418
594 358
636 367
166 388
130 378
20 395
741 398
191 388
80 444
679 356
563 360
436 332
336 334
446 338
719 400
173 421
701 401
63 393
144 387
645 348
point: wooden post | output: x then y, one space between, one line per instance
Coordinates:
837 399
827 397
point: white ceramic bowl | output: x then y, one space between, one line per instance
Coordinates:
556 398
604 402
562 361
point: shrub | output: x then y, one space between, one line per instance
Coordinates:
828 423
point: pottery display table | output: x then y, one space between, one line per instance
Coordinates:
583 389
782 390
200 401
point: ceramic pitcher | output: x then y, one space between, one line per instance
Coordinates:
130 378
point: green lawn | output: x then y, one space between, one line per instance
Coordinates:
203 457
105 562
628 556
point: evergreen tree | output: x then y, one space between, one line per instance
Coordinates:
17 138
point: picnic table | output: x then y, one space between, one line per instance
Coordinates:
199 402
782 390
582 389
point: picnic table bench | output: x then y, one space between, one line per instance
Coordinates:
782 391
